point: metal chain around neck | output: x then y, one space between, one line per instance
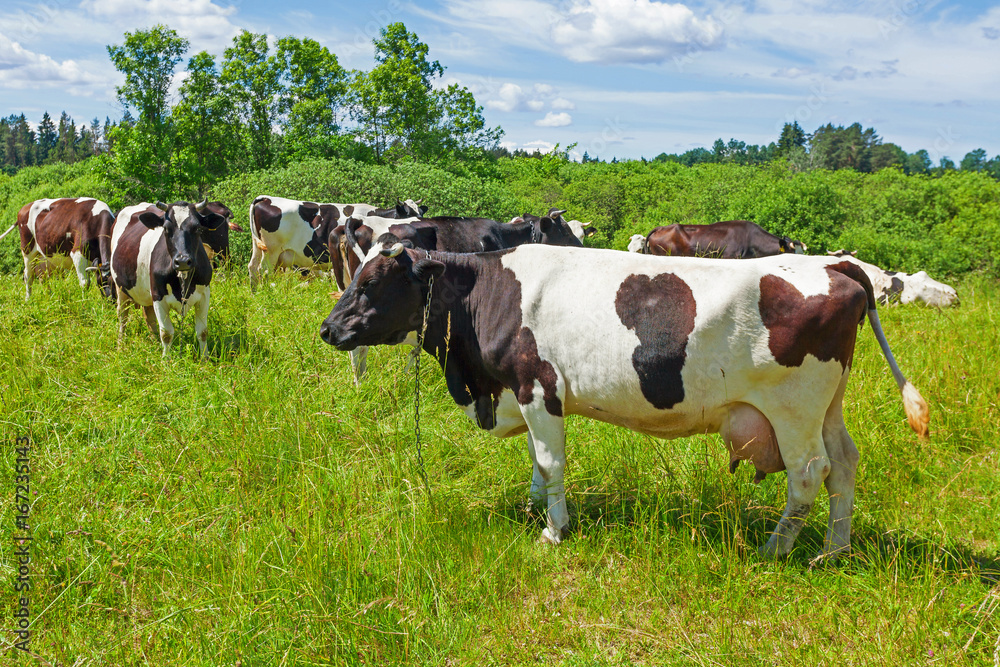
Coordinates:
416 386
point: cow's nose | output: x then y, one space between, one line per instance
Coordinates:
326 332
183 262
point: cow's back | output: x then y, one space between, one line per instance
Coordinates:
662 344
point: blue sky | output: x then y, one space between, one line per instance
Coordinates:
625 78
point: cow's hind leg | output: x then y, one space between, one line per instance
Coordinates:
254 268
80 264
805 458
201 320
151 323
123 305
840 482
29 273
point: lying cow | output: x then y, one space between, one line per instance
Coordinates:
159 263
288 232
580 230
893 286
733 239
661 346
65 233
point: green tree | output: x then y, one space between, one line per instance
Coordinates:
65 148
142 151
918 162
205 140
398 112
47 136
311 98
974 160
791 137
250 79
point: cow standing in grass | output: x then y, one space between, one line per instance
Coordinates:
65 233
658 345
159 263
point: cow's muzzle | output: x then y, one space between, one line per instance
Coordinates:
345 341
182 262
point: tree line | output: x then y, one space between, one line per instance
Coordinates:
833 147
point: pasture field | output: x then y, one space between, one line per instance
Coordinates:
259 509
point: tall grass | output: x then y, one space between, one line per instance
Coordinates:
259 509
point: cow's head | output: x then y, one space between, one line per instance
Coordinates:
921 287
182 225
790 245
104 280
552 230
323 218
636 243
385 301
842 253
409 209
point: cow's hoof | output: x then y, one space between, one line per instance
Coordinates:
550 536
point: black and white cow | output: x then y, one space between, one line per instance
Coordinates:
402 209
65 233
293 233
581 230
452 234
159 263
898 287
658 345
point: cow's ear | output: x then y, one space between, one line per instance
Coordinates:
589 231
150 219
425 269
546 224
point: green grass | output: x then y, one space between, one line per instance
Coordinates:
259 509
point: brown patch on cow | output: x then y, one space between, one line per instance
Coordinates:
823 325
660 310
529 367
265 216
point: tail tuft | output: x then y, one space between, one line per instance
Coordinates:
917 411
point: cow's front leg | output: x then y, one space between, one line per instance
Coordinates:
548 438
122 315
536 495
201 319
162 312
29 274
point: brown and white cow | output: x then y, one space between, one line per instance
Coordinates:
732 239
159 263
658 345
898 287
65 233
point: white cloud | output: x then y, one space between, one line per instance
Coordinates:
511 97
632 31
21 68
206 24
553 119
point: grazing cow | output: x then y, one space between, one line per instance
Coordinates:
482 234
733 239
580 230
159 263
637 243
893 286
289 232
217 240
661 346
64 233
404 209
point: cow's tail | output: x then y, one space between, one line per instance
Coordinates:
350 226
9 230
917 410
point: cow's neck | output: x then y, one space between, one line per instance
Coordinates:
458 328
517 233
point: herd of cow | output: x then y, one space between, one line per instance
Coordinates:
529 326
